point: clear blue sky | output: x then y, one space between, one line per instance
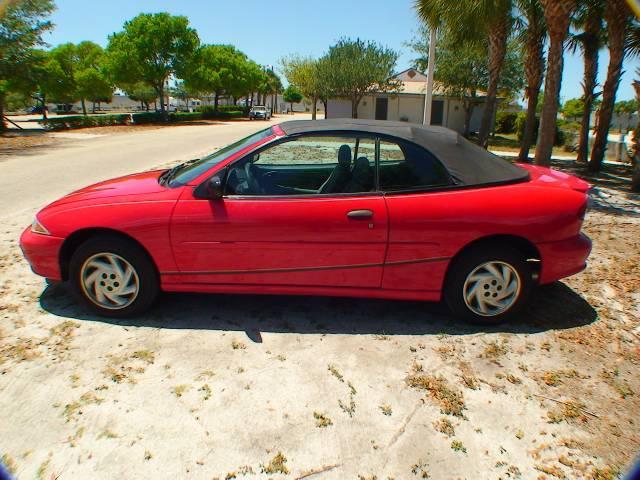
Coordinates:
268 31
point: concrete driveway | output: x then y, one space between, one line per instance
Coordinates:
224 386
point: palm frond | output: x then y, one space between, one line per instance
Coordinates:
632 42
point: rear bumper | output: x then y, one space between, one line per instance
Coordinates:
42 252
564 258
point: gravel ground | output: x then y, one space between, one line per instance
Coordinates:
223 386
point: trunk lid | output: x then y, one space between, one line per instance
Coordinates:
555 178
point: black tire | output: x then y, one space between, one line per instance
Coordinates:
148 285
468 262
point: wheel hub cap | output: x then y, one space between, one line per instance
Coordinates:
109 281
491 288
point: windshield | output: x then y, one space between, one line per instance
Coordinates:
194 169
259 109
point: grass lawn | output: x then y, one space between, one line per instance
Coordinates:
508 142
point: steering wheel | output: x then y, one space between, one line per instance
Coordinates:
254 186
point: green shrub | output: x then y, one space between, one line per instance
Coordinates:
506 122
521 119
223 109
207 109
570 126
147 117
234 108
184 116
80 121
227 115
560 137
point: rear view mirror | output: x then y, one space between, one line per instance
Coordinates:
212 189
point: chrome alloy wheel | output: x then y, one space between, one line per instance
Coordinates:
109 281
491 288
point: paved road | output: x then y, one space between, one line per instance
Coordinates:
29 181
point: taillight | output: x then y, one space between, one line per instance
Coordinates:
583 210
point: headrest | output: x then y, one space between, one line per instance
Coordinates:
361 169
344 155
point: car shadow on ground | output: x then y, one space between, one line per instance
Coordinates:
553 307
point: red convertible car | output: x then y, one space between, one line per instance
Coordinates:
332 207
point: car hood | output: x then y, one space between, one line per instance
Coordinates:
144 183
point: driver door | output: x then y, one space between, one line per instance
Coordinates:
277 229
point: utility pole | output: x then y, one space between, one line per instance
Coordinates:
430 70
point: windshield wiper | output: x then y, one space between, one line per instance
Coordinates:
170 174
456 180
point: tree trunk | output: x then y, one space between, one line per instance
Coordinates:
547 132
558 15
93 107
325 102
534 70
530 125
616 15
163 110
497 51
468 113
216 101
84 107
354 107
314 108
3 124
43 99
589 85
635 174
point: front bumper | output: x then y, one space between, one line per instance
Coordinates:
564 258
42 252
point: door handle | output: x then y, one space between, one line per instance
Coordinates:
360 214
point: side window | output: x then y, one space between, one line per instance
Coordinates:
307 165
405 166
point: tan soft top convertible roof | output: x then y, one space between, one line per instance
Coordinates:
465 161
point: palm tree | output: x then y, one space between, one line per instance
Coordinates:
475 20
558 15
532 36
618 16
591 39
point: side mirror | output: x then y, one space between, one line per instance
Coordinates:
212 189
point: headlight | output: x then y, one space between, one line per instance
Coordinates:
37 227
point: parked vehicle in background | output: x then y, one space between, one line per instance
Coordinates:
38 109
360 208
259 112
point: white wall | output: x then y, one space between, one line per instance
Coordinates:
118 102
338 108
408 108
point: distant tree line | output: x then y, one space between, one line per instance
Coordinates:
151 51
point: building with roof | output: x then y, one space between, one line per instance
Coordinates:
407 105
